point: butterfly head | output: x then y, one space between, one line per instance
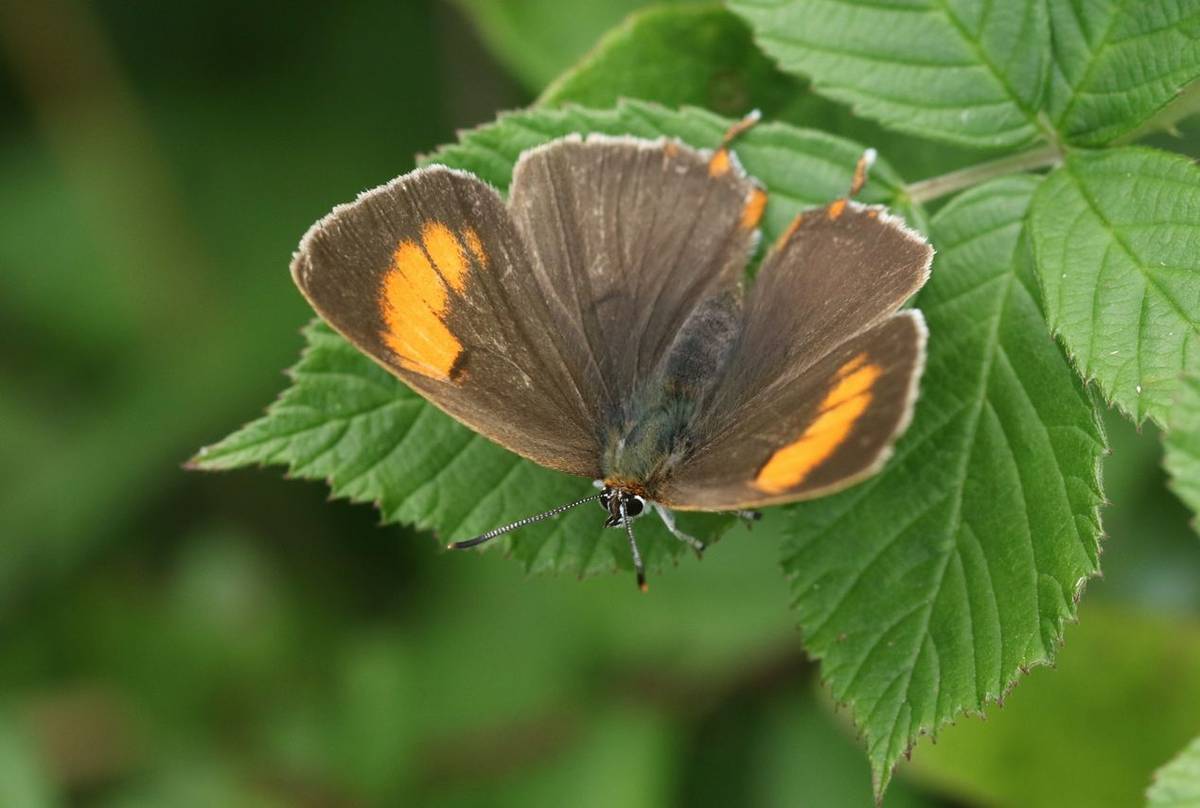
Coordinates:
621 505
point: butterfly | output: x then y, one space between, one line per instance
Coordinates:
596 322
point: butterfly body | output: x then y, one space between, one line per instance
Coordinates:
655 432
597 322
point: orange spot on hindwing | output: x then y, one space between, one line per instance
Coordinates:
841 408
416 295
836 209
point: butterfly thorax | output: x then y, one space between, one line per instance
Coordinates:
640 453
655 431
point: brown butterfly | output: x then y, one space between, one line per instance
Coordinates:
596 322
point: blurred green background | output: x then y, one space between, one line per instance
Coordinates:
174 638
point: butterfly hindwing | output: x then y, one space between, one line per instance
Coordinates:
832 424
823 377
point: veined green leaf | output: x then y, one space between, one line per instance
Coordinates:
348 421
677 55
705 56
963 71
1117 239
1177 784
1117 62
1182 440
538 39
926 590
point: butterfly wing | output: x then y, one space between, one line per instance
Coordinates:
429 276
629 237
823 378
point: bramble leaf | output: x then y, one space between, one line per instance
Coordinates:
1182 440
926 590
956 70
677 55
705 56
348 421
538 39
1177 784
1117 240
1116 63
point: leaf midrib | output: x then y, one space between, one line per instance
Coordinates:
969 443
1093 60
1030 115
1118 239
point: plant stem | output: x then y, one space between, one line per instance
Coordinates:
944 184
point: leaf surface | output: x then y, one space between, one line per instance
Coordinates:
1117 62
956 70
926 590
1117 240
1182 440
1177 784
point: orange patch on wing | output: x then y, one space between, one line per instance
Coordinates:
414 299
475 245
671 148
719 165
447 254
839 411
753 210
837 208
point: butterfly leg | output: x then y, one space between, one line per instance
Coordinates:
638 567
669 520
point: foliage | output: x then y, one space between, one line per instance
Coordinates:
1183 444
927 590
229 638
1177 785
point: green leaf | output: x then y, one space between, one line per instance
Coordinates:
1118 62
1117 239
348 421
963 71
1123 696
1182 440
703 56
1177 785
538 39
926 590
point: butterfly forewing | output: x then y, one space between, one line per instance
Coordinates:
429 277
629 237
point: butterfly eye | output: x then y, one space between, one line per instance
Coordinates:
634 505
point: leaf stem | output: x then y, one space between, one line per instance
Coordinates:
944 184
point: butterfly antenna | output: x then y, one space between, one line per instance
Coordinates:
638 567
520 523
860 172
